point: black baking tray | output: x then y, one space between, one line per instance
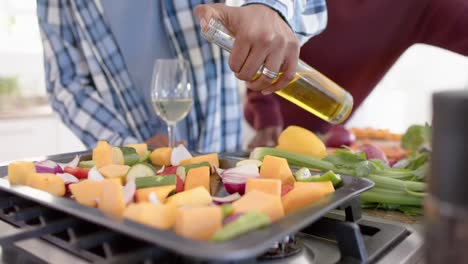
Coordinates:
243 247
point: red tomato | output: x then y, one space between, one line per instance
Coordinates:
285 188
80 173
169 170
179 185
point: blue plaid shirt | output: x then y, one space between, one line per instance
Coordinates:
90 88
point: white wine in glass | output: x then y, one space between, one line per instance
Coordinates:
171 93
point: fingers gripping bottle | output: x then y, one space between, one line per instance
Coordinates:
309 89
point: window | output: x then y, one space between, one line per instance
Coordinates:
21 65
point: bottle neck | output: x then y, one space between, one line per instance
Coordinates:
216 33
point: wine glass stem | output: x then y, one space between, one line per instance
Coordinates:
171 135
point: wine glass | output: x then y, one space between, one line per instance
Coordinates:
171 93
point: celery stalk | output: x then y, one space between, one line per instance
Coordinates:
294 159
379 195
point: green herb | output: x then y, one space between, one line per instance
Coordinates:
416 137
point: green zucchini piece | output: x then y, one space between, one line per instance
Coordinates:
248 222
153 181
130 156
328 176
145 157
140 170
86 164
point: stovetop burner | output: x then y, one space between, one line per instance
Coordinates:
288 247
336 238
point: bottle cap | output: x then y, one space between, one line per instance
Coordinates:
449 163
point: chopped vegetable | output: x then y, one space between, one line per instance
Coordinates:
86 164
153 181
249 161
18 171
140 170
226 199
276 168
72 164
245 223
80 173
161 156
179 154
303 174
195 197
161 192
230 217
227 209
270 186
47 182
48 166
334 178
145 157
182 170
95 175
67 177
129 191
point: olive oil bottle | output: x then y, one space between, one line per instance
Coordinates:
309 89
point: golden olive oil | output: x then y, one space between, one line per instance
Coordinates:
309 89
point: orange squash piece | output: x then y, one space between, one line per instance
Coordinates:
299 198
161 157
102 154
276 168
324 187
198 177
300 140
114 171
162 216
48 182
87 192
112 200
211 158
18 171
161 192
198 196
262 202
198 223
270 186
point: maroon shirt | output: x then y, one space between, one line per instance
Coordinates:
362 41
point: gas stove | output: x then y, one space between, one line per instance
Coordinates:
343 236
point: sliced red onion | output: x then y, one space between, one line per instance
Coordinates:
72 164
95 175
179 154
234 187
48 166
226 199
161 170
152 198
231 218
244 171
129 191
68 178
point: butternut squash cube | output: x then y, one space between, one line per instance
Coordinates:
111 200
162 216
140 148
276 168
198 223
161 192
161 157
87 192
262 202
270 186
102 154
18 171
114 171
324 187
48 182
299 198
211 158
195 197
198 177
